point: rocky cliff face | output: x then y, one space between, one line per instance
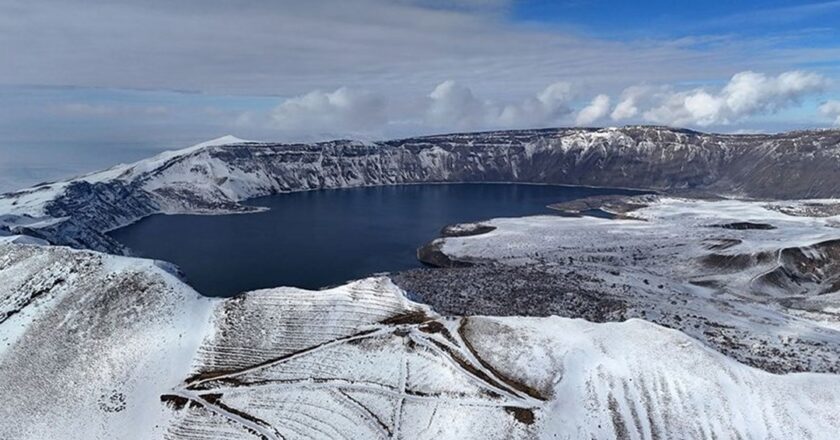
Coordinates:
215 176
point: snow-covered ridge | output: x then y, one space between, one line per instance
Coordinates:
125 350
214 177
126 172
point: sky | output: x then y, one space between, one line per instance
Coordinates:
85 84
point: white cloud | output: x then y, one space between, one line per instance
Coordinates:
634 98
453 105
597 109
625 109
831 109
341 110
556 97
449 106
547 107
746 94
750 92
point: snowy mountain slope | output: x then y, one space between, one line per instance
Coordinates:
89 341
638 380
751 281
127 351
215 176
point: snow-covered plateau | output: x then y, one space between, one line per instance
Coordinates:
692 313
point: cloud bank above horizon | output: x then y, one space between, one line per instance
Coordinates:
454 106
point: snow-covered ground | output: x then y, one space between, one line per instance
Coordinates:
751 281
103 347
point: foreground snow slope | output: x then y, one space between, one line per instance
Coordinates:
103 347
89 341
215 176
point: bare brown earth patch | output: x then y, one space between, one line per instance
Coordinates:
522 415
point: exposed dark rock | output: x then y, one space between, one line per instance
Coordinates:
743 226
431 255
508 291
805 270
465 230
610 204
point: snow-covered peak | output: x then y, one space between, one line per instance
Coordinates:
223 140
160 159
126 171
33 201
166 155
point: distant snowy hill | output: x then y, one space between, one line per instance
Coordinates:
214 176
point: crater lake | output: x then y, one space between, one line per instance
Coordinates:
314 239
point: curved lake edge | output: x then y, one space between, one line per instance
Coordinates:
413 215
258 209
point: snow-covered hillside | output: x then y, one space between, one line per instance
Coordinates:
101 347
88 342
214 176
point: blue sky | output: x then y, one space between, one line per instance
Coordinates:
103 82
668 19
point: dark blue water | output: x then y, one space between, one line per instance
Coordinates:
320 238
